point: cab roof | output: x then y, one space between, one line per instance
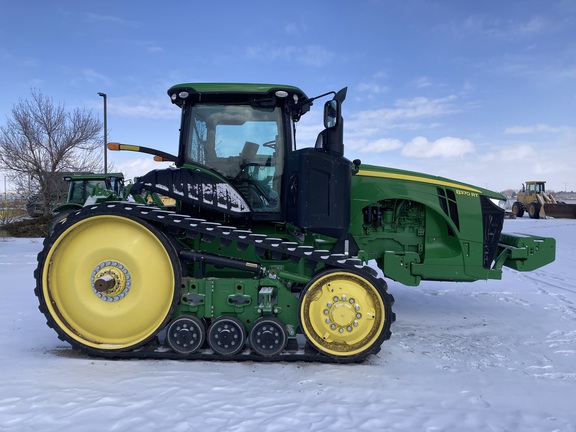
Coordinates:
230 91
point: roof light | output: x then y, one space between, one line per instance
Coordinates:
183 94
281 93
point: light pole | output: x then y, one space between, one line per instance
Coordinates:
105 134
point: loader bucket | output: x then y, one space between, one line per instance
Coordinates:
564 211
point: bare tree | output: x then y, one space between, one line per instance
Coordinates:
42 141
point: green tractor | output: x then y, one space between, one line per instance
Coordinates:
264 253
87 188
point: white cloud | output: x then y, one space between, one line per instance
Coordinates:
143 107
365 131
496 27
372 88
93 77
408 114
376 146
535 25
112 19
292 29
523 153
154 49
372 85
310 55
520 152
446 147
314 55
421 107
531 129
409 109
547 168
422 82
36 82
30 63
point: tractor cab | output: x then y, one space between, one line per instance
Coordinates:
535 187
238 159
84 186
246 135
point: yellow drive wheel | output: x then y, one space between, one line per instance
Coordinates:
346 314
108 282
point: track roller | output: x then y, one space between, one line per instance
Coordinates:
226 336
268 337
186 334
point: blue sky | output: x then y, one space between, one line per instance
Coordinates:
478 91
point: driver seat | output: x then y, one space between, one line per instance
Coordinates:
249 152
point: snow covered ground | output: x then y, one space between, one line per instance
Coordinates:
486 356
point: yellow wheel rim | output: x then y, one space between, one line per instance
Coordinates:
342 314
108 282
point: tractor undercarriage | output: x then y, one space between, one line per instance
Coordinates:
286 302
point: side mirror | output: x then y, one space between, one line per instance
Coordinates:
331 113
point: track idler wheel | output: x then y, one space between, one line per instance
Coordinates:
186 334
107 283
346 314
268 337
226 336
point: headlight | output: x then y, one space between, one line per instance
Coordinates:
499 203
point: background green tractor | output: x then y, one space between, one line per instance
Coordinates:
83 188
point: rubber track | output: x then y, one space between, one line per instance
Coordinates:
210 230
164 353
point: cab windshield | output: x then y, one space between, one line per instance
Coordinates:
244 144
80 190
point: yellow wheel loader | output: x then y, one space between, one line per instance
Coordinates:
534 199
